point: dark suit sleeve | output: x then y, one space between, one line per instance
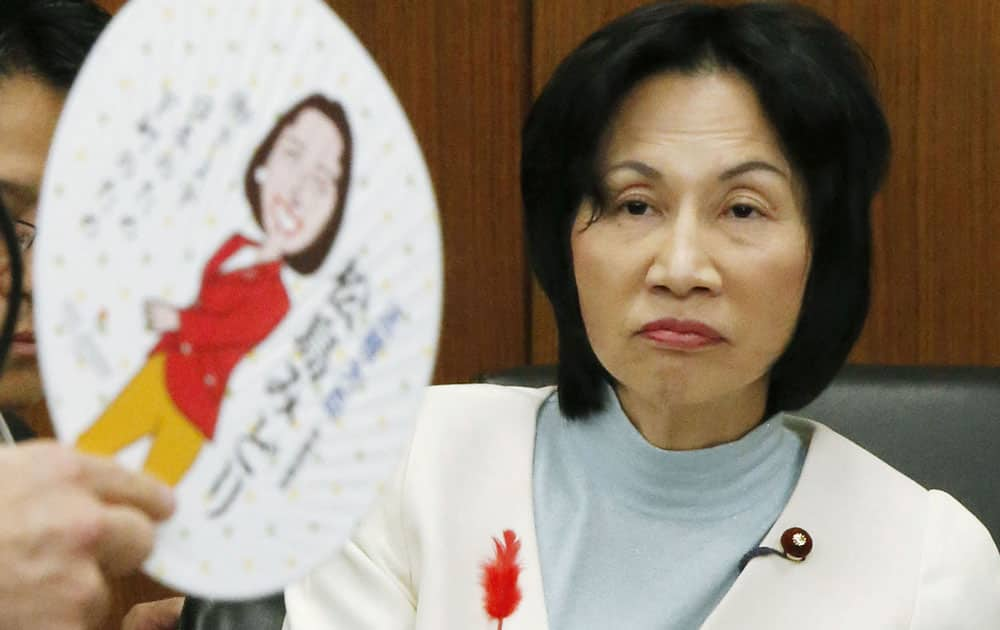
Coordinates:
18 428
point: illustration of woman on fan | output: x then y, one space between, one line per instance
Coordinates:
296 184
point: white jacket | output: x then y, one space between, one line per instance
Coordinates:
887 553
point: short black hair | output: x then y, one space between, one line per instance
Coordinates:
48 39
814 84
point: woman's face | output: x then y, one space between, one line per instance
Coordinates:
299 186
29 110
691 280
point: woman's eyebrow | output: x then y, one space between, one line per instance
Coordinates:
21 190
648 171
752 165
634 165
15 195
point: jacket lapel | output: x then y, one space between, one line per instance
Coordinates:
453 593
855 576
530 613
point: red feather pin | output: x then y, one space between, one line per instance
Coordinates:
502 594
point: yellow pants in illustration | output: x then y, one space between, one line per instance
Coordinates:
145 408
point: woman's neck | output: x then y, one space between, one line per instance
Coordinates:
685 427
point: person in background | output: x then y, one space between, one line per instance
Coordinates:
70 521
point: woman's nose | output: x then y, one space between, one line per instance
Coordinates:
5 277
682 262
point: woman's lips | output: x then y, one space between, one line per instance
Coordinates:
681 334
286 218
23 344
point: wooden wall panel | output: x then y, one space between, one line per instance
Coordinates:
936 266
936 280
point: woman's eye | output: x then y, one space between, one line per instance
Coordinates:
635 207
743 210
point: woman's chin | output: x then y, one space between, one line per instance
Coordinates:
24 349
20 382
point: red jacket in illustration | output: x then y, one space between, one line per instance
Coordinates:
234 312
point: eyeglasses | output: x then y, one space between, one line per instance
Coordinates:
25 233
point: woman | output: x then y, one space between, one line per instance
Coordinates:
697 184
296 184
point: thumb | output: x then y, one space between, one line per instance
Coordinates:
158 615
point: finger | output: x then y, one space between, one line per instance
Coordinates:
125 540
98 603
73 524
158 615
80 599
114 484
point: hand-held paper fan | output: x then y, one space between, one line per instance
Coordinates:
238 279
